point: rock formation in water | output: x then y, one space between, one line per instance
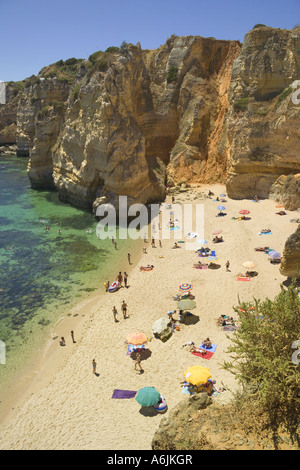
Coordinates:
133 122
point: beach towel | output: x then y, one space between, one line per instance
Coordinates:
211 349
264 233
186 389
244 279
253 200
123 394
174 228
131 348
229 328
208 354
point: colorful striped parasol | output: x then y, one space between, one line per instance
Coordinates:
185 287
137 338
244 212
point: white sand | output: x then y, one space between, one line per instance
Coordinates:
67 407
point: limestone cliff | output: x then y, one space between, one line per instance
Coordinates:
8 116
133 121
290 263
263 122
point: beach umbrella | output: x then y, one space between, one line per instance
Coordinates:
185 287
202 241
147 396
274 254
223 195
249 264
216 232
244 212
279 205
186 304
221 208
197 375
137 338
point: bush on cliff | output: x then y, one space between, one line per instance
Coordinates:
172 74
264 361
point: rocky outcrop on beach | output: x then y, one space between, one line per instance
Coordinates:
263 121
290 263
286 191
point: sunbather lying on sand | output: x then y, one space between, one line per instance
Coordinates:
266 248
281 213
223 320
198 350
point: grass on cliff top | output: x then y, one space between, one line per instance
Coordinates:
65 71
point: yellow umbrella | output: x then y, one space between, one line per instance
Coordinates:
197 375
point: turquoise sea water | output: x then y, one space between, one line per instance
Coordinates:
43 271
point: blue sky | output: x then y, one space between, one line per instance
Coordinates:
35 33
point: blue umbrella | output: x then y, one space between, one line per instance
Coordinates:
221 208
202 241
223 195
274 254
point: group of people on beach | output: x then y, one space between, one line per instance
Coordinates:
124 310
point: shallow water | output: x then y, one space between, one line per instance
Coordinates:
42 270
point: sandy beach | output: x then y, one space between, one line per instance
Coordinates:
66 406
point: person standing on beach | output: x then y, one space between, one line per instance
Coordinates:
116 246
125 279
227 266
115 312
72 336
94 366
124 309
138 362
129 258
120 278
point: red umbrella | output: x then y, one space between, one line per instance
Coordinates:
244 212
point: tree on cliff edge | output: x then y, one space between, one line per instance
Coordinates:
265 358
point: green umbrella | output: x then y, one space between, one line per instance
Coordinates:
186 304
147 396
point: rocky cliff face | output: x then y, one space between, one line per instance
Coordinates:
290 263
8 117
151 118
132 121
263 122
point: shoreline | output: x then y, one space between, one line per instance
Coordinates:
21 383
67 407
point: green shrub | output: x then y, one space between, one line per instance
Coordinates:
241 104
75 91
262 354
112 49
259 25
172 74
124 48
283 95
71 61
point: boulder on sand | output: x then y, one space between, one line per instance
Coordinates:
162 329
